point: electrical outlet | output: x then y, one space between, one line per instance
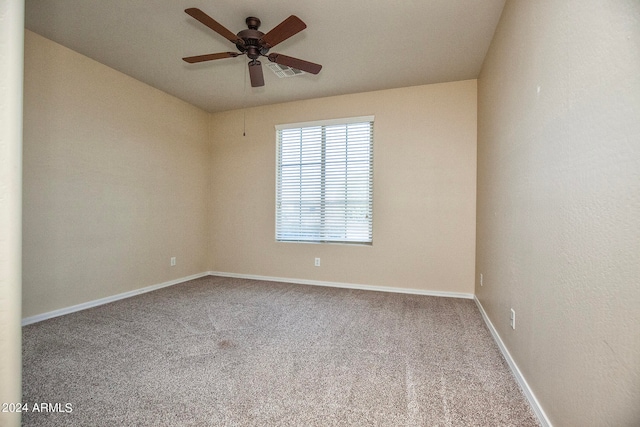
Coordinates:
513 319
317 262
173 261
481 280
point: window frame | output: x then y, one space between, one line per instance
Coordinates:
278 152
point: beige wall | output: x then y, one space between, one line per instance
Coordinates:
11 42
559 203
119 177
115 181
424 191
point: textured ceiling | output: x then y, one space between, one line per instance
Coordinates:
362 45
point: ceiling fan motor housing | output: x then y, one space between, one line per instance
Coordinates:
251 37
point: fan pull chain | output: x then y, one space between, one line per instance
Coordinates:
244 104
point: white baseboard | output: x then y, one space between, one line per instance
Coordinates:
522 382
345 285
106 300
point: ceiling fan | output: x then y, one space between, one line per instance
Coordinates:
254 44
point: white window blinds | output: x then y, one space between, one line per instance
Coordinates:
324 182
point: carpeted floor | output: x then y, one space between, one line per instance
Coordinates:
218 351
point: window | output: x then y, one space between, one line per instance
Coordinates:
324 182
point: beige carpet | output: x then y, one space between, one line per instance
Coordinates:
234 352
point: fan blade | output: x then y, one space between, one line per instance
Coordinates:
287 28
215 26
210 57
255 73
296 63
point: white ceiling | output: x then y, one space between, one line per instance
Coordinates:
362 45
